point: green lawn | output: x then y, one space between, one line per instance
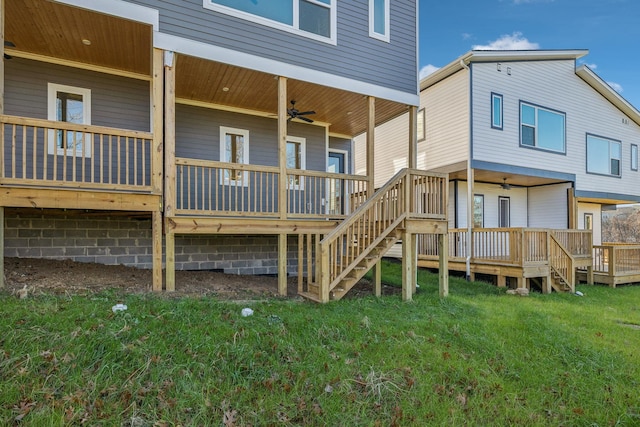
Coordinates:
479 357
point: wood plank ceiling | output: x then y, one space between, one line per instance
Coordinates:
57 30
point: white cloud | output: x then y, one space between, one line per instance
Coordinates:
513 41
592 66
615 86
466 36
427 69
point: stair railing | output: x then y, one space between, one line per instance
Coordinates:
561 262
409 192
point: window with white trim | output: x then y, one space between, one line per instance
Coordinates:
542 128
71 105
310 18
296 159
379 19
603 155
634 157
478 210
504 212
234 148
496 111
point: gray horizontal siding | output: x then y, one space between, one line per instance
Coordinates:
356 56
115 101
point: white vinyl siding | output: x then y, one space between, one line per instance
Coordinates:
548 206
446 107
492 194
563 91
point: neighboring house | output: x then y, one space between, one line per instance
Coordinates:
534 139
202 134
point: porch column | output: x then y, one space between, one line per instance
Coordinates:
282 183
408 260
157 92
371 127
469 220
572 209
412 160
170 165
1 112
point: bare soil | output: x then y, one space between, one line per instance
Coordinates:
46 276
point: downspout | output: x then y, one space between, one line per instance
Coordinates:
469 185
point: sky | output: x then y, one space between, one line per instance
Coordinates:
609 29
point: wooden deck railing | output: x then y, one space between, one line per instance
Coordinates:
206 187
32 153
561 262
616 260
510 246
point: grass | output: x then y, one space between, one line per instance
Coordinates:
479 357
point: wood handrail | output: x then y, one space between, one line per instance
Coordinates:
564 255
50 124
214 164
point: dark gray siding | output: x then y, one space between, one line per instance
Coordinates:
198 136
115 101
356 55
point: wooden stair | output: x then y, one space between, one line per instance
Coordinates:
558 282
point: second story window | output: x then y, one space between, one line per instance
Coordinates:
379 19
496 111
311 18
603 155
634 157
542 128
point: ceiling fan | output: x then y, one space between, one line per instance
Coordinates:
504 184
294 113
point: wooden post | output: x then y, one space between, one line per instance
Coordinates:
412 162
613 255
371 129
282 264
170 261
170 165
282 183
2 145
324 274
443 266
156 242
377 279
407 265
157 113
572 209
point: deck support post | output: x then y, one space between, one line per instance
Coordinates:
282 264
2 157
169 165
377 279
443 266
408 257
156 244
170 254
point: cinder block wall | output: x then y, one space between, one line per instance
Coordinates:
121 240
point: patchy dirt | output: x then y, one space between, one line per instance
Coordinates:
69 277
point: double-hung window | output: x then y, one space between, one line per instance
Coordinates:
234 148
296 159
542 128
71 105
379 19
634 157
496 111
310 18
603 155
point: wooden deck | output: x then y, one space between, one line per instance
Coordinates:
515 254
615 264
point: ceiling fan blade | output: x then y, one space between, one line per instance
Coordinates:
306 112
305 119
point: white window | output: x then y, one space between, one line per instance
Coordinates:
496 111
478 211
296 159
379 19
72 105
234 148
315 19
542 128
634 157
603 155
504 212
